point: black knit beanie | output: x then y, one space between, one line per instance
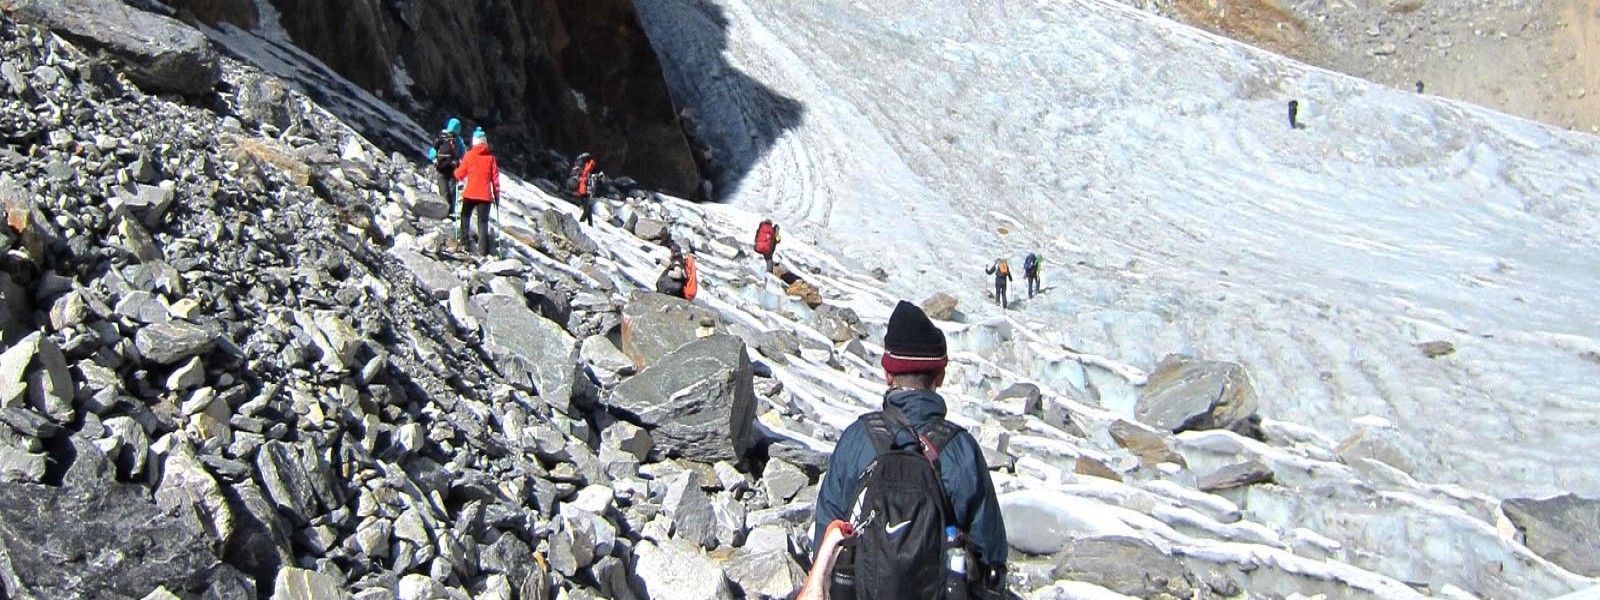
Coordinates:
913 343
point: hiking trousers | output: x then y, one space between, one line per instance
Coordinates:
588 210
1033 284
468 207
768 257
447 190
1000 292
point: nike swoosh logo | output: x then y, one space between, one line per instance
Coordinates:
897 528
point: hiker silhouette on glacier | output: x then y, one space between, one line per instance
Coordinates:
581 182
1001 270
445 154
481 174
907 500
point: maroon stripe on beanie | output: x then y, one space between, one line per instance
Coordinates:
897 364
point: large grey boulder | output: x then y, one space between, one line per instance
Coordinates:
168 343
693 518
436 277
699 402
676 570
188 490
532 351
120 546
1564 529
296 479
763 568
654 325
1188 394
161 54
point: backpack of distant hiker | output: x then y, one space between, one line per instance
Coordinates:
1030 264
445 158
900 511
764 239
1003 267
691 283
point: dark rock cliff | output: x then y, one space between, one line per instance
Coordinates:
568 75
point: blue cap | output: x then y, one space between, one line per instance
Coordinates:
453 125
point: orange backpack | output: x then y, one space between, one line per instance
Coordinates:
691 282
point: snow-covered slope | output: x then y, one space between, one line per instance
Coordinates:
1153 167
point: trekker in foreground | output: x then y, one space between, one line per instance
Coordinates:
767 238
1001 270
1031 266
446 153
912 488
482 176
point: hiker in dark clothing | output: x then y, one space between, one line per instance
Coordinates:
481 173
1031 267
914 362
586 195
1001 270
446 153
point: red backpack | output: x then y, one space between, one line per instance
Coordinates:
764 238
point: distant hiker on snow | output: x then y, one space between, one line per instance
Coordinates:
911 487
1294 115
446 153
481 173
679 278
1001 270
767 238
583 180
1030 273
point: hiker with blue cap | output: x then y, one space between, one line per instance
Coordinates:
446 153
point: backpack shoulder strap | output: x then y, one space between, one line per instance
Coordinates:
878 431
940 433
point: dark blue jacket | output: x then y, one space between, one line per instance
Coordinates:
961 466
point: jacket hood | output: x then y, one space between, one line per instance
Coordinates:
920 406
478 149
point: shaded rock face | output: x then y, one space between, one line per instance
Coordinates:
1564 529
699 402
162 54
118 544
570 75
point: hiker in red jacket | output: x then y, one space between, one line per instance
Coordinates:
482 176
767 238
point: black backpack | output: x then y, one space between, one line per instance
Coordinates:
901 510
1030 264
444 152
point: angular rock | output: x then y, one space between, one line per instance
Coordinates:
1564 529
143 307
699 401
654 325
1436 348
436 277
301 584
1236 475
573 543
149 202
676 570
1131 567
259 545
285 479
1151 447
940 306
337 340
14 308
67 311
1382 444
134 447
162 55
778 345
187 490
806 292
133 546
20 466
730 519
1094 468
532 351
191 375
1185 394
762 568
782 481
28 423
1021 399
605 360
136 239
168 343
50 387
693 518
650 230
837 323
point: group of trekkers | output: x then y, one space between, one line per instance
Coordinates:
1001 270
473 173
906 508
